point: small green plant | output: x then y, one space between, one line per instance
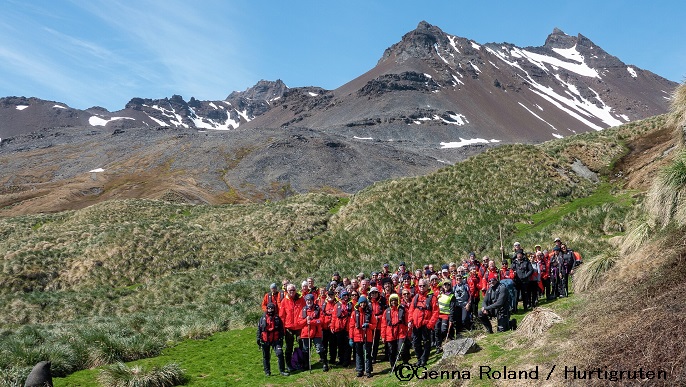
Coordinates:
120 375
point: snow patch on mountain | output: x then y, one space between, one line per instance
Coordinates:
99 121
632 72
21 107
463 142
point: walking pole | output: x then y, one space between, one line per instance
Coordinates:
502 249
400 350
309 351
373 342
364 349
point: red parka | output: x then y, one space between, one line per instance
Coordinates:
341 316
290 311
423 310
273 298
328 309
394 324
358 318
313 328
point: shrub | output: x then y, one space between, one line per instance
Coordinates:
120 375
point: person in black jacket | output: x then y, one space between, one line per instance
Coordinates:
523 270
496 304
270 333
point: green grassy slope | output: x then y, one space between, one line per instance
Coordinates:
123 280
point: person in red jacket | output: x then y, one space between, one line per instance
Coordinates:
361 331
273 296
290 309
270 335
422 319
339 327
394 331
473 282
310 319
378 304
506 272
328 310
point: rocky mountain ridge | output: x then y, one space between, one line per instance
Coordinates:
432 99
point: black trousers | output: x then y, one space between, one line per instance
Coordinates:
344 350
266 356
421 341
363 357
290 336
330 344
398 350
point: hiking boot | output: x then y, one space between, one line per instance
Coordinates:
285 373
325 367
369 374
267 373
359 374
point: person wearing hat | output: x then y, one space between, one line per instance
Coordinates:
422 318
496 304
378 304
447 308
328 309
523 271
310 319
387 287
361 332
434 284
394 330
516 248
291 307
339 327
273 296
270 333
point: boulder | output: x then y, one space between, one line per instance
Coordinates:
40 375
459 347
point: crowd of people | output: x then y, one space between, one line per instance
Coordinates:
350 318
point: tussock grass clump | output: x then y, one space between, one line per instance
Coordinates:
119 375
677 116
539 320
592 272
666 200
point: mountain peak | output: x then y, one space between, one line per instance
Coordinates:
418 43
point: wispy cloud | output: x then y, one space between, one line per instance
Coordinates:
96 50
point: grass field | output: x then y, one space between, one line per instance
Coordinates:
158 283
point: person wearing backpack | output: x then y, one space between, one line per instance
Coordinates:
274 296
523 271
567 263
311 321
394 330
290 309
270 332
496 304
422 320
339 327
361 332
378 304
328 309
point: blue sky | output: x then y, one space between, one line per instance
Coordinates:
104 52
